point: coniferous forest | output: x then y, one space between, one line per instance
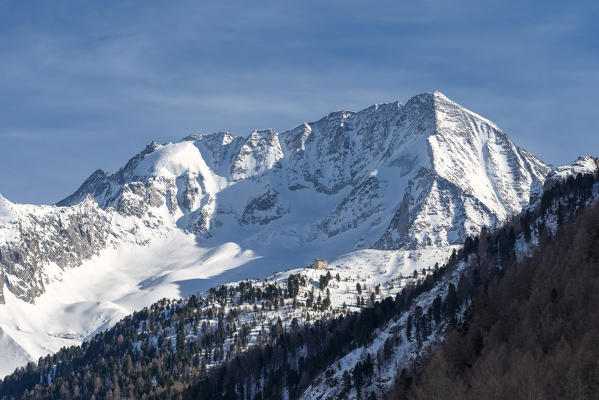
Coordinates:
532 329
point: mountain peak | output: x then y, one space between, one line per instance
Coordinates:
582 165
429 96
90 186
170 160
442 106
263 132
7 214
222 135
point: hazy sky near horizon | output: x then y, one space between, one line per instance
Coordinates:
86 85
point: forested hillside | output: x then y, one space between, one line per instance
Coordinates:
159 351
219 340
532 330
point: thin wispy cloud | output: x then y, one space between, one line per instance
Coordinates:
103 79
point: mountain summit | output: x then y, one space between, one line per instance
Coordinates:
424 174
392 187
423 153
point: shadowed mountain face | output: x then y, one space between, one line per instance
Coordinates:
392 176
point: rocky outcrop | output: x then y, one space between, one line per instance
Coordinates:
259 153
62 237
263 209
362 202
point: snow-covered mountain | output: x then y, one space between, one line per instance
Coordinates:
391 187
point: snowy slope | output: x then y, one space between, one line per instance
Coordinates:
404 352
390 188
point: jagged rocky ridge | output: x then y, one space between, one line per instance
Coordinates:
421 175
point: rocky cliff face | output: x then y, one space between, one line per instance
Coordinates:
474 176
392 176
42 236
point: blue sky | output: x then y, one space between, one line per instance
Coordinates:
86 85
